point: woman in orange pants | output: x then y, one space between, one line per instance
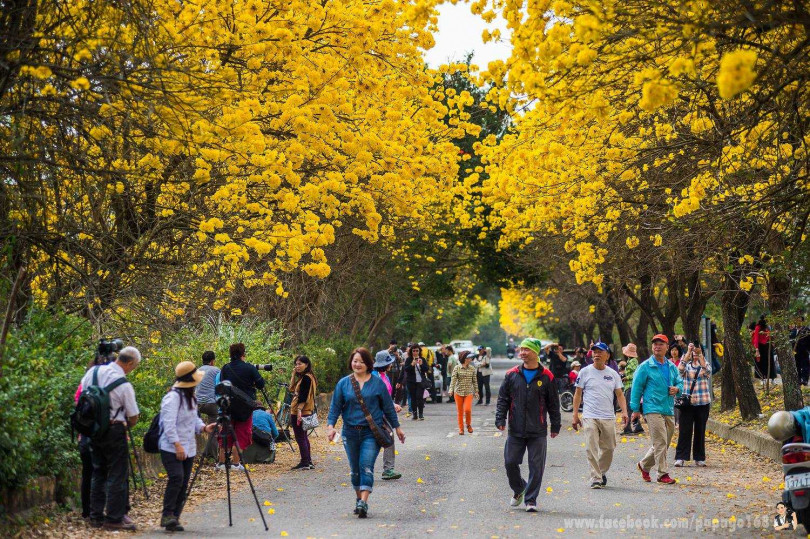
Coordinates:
464 385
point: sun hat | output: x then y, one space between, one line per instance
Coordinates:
661 337
187 375
576 364
630 350
532 344
382 359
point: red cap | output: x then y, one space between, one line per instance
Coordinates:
660 337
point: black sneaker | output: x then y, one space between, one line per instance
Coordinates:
604 480
299 466
596 484
357 506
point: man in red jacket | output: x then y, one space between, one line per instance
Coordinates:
527 396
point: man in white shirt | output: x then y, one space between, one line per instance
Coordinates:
595 387
110 452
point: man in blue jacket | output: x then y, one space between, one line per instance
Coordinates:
526 396
658 381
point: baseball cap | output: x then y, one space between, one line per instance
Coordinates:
599 345
661 337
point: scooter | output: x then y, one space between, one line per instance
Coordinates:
784 427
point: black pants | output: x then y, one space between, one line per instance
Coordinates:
87 473
483 385
417 392
109 487
513 453
692 433
179 472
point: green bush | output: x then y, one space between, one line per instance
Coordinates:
43 364
330 359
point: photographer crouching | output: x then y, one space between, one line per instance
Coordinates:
110 452
245 377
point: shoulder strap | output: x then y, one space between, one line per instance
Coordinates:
356 386
233 372
95 375
116 383
694 381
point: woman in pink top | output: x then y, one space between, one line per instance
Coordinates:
381 365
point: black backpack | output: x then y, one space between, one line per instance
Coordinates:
151 440
152 437
91 416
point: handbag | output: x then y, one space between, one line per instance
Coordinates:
685 401
310 422
383 437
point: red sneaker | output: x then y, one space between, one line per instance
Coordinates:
666 479
644 474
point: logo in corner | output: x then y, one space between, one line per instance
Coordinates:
539 383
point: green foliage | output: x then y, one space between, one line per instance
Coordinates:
330 359
43 365
155 375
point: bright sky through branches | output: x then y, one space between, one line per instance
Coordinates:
460 32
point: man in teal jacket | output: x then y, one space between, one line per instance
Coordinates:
658 381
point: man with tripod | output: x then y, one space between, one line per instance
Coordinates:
245 377
109 449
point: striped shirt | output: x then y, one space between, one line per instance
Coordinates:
702 394
464 381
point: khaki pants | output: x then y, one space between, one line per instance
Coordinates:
600 441
661 429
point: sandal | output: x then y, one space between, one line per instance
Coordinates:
469 428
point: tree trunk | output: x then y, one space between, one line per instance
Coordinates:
732 300
641 335
779 302
604 319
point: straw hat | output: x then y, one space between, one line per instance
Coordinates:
187 375
630 350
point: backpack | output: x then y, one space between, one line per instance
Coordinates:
152 437
91 416
151 440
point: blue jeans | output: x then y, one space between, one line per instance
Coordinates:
362 450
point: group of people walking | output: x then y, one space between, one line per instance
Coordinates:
527 405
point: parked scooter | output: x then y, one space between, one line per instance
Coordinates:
793 430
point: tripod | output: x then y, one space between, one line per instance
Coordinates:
283 415
134 454
224 432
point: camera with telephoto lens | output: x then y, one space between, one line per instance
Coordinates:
265 367
108 347
227 393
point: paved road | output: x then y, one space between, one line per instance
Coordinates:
455 486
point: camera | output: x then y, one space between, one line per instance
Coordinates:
227 393
265 367
107 347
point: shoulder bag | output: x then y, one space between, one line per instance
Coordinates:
685 401
383 437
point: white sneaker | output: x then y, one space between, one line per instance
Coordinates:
701 463
517 500
531 508
220 467
238 467
678 463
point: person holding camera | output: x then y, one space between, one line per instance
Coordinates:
416 380
657 380
364 403
110 452
245 377
179 423
697 376
303 387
